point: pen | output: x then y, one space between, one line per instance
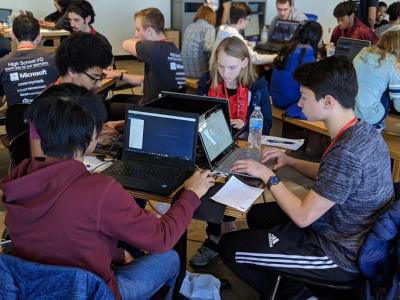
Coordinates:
280 142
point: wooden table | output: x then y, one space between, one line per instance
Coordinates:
391 135
54 35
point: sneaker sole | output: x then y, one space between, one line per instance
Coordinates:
203 264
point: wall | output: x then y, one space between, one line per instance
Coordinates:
114 19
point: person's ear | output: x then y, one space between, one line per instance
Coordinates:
13 37
88 19
329 102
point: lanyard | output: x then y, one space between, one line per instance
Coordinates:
344 128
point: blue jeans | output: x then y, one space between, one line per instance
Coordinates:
146 275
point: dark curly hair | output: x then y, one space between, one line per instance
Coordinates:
82 8
82 51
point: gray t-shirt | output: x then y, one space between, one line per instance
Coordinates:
26 73
356 175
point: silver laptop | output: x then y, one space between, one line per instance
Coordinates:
218 144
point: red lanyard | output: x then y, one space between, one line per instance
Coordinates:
344 128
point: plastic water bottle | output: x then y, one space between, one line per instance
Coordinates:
255 128
264 35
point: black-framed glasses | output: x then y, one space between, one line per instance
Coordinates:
96 80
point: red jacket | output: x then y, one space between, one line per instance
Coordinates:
357 31
58 213
238 103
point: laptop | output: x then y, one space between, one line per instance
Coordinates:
350 47
218 144
5 13
195 104
159 150
281 34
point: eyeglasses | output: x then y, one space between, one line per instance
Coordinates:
96 80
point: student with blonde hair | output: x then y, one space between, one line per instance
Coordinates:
378 75
198 42
232 77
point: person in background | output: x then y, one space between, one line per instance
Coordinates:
349 25
80 60
163 70
239 20
198 42
59 18
222 9
75 218
24 73
394 20
380 15
366 11
286 12
317 236
232 77
81 16
378 70
303 48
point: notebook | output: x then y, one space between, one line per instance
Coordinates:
350 47
196 104
159 150
281 34
218 144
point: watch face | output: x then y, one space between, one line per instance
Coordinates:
274 180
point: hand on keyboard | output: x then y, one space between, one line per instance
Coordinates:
200 182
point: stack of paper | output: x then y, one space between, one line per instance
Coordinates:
275 141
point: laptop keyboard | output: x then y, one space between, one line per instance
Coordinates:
236 155
144 172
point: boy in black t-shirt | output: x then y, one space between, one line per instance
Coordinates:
163 69
24 73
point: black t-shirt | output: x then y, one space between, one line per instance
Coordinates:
361 9
26 73
163 69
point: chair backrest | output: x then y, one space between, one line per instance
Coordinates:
22 279
15 120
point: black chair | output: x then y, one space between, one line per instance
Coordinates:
19 148
15 120
350 290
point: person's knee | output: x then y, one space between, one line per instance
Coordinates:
226 247
252 216
171 258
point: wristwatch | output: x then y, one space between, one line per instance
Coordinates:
273 180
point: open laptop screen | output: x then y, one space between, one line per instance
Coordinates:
284 31
215 134
160 135
4 14
350 47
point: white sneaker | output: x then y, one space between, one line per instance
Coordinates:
203 256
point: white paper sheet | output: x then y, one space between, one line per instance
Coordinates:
237 194
275 141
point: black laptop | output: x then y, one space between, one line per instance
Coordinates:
350 47
195 104
281 34
159 150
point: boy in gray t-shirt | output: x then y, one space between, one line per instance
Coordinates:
319 236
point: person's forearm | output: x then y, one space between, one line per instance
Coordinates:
304 167
133 79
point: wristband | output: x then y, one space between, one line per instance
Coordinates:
121 76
